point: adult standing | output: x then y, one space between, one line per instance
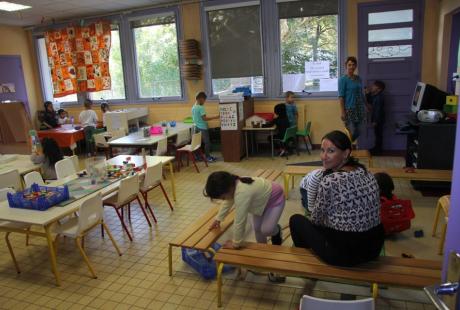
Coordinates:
344 228
351 99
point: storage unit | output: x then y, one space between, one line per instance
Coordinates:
127 118
232 121
431 145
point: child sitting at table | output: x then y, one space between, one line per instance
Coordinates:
47 155
281 121
88 120
62 117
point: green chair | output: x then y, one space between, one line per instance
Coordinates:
305 133
289 135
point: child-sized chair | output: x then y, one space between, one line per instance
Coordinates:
90 215
127 192
190 149
64 168
152 180
289 136
11 179
33 177
162 147
305 133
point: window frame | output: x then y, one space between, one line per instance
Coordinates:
129 65
271 47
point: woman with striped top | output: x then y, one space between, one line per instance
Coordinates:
344 228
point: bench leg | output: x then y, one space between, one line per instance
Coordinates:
220 268
286 185
375 290
170 259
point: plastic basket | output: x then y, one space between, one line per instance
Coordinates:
203 263
51 197
396 215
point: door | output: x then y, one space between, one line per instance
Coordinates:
389 49
13 86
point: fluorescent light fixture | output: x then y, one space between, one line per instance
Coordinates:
11 7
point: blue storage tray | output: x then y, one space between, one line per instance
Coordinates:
205 266
18 200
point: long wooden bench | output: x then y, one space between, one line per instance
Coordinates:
394 271
290 172
198 236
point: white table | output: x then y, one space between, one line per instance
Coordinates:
22 163
138 140
47 218
271 130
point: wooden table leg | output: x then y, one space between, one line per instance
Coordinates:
173 182
286 185
52 253
170 259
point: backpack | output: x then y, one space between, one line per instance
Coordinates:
395 214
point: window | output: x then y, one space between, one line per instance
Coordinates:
235 47
47 81
117 90
309 45
155 41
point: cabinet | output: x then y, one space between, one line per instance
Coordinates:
232 140
431 146
127 119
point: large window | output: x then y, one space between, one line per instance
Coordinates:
117 90
309 45
235 47
157 58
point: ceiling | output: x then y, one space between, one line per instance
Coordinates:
47 10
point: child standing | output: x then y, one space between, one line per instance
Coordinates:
375 101
257 196
88 120
201 122
62 117
291 108
104 108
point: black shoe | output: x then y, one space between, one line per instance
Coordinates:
277 239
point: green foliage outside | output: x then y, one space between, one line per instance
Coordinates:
157 61
311 38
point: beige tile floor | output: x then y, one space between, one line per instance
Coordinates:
139 279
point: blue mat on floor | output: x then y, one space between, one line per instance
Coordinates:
308 163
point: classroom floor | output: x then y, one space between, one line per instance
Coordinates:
139 279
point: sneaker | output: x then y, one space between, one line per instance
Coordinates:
275 278
278 238
210 159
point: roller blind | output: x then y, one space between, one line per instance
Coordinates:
235 42
307 8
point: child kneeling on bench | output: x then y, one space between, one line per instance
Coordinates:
257 196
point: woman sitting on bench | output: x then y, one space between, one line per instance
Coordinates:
344 228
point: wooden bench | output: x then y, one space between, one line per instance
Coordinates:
198 236
397 173
395 271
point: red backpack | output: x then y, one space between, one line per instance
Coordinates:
395 214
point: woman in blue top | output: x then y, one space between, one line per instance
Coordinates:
351 99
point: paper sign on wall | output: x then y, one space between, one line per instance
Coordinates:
293 82
228 116
328 85
316 70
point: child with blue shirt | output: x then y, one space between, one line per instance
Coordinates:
201 123
375 103
291 108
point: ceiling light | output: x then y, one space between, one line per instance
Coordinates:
11 7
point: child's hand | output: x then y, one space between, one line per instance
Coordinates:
214 225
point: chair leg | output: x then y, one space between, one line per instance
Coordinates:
102 231
192 157
129 212
443 239
203 157
143 211
27 237
166 196
123 224
85 257
147 206
83 242
115 245
10 248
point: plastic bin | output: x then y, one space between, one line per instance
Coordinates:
203 263
50 196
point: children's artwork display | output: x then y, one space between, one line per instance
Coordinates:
228 116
